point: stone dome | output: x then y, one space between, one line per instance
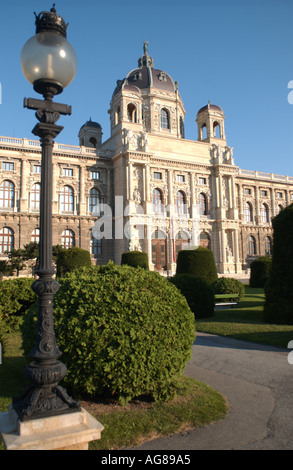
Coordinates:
212 107
91 123
146 76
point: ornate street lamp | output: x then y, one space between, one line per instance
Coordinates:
48 62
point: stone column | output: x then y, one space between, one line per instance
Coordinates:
257 213
108 187
82 198
170 187
54 193
273 202
23 196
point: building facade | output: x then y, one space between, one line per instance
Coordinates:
146 187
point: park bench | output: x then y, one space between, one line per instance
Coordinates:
231 301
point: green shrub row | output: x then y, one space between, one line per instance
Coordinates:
16 296
228 285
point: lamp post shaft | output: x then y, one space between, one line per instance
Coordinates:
45 397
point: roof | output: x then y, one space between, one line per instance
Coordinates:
91 123
146 76
212 107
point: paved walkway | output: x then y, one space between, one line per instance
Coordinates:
258 384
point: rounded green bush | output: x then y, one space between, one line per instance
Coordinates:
198 293
135 259
229 285
260 271
72 258
123 330
199 261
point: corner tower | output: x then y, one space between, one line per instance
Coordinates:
90 134
210 122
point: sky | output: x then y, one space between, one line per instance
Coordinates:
236 53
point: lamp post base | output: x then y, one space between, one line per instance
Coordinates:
39 402
72 431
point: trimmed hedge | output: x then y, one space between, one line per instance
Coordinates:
72 258
278 306
228 285
199 262
16 296
198 293
135 259
260 271
123 331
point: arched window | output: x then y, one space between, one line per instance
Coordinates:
268 246
251 246
93 141
68 238
67 199
182 132
117 115
279 209
159 250
35 235
165 119
131 112
203 209
7 194
94 201
204 240
264 214
248 212
157 200
180 203
216 128
6 239
35 196
95 246
204 132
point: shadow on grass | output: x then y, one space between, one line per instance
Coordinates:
12 378
257 341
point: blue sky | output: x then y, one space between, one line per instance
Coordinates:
236 53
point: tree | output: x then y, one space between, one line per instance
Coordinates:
279 288
72 258
199 261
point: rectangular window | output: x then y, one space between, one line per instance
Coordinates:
279 195
264 192
180 178
95 175
37 169
157 175
247 191
8 166
202 181
67 172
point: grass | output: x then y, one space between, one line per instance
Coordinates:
196 405
245 322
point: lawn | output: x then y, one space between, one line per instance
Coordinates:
245 322
196 405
